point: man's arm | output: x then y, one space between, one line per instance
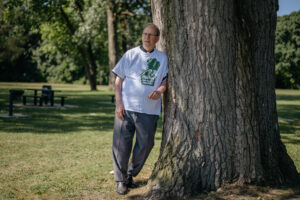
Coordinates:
119 104
155 95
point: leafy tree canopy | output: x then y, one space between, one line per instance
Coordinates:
287 51
64 40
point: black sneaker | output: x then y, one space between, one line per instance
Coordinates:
121 188
131 183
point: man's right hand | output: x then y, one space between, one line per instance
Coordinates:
120 111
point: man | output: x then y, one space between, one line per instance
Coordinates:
140 82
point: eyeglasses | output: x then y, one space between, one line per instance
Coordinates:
149 34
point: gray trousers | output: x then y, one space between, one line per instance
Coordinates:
145 127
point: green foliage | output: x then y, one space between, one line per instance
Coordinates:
16 43
54 41
63 50
132 16
287 51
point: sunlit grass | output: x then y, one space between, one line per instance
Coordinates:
65 153
288 107
60 153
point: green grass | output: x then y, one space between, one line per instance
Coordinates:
59 153
65 153
288 107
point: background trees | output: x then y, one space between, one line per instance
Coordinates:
287 51
125 20
70 39
66 40
16 43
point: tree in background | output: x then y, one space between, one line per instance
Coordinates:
220 119
66 40
125 20
112 39
287 51
16 43
70 39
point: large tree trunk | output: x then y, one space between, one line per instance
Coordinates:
220 120
112 40
92 68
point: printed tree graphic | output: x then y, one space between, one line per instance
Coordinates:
148 75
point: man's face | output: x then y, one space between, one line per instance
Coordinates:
149 38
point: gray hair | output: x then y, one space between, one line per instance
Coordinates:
153 25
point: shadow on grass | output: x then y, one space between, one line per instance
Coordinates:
289 111
291 140
89 115
240 192
288 106
287 128
93 112
283 97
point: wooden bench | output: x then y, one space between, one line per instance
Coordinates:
62 100
35 98
43 99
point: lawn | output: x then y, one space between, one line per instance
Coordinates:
288 108
65 153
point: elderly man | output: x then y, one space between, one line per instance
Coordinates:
140 82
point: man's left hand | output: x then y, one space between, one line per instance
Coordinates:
155 95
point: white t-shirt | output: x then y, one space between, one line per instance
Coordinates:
142 73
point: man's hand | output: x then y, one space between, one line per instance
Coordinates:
120 111
155 95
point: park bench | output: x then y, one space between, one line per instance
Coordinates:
47 94
42 99
35 98
62 100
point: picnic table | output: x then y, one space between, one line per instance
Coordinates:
44 94
14 95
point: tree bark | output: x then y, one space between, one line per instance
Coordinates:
220 120
123 19
112 42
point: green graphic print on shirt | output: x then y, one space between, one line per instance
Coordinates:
148 76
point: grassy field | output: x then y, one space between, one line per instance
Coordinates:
288 108
65 153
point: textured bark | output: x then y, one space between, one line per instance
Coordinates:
112 39
220 120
